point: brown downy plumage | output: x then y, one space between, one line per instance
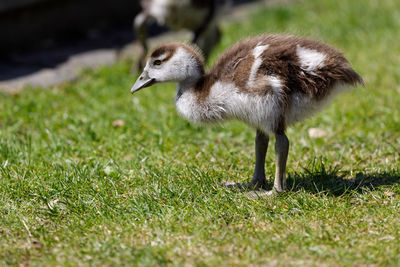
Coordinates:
281 59
268 82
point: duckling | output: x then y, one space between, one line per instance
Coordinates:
268 82
194 15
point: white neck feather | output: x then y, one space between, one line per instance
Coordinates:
189 69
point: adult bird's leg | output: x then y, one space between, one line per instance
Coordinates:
140 25
281 150
208 39
207 35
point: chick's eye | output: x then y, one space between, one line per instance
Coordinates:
157 62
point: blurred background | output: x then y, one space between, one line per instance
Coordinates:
46 42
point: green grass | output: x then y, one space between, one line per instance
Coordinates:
74 190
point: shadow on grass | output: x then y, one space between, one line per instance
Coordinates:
317 178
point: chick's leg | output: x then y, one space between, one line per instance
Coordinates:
258 181
261 147
281 153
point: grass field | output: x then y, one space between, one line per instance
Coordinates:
75 190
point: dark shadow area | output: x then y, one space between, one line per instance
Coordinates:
24 63
38 24
320 179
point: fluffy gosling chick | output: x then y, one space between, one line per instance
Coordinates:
269 82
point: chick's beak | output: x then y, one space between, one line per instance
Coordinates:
143 81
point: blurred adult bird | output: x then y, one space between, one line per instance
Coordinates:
198 16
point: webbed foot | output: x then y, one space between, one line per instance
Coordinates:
262 194
253 186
